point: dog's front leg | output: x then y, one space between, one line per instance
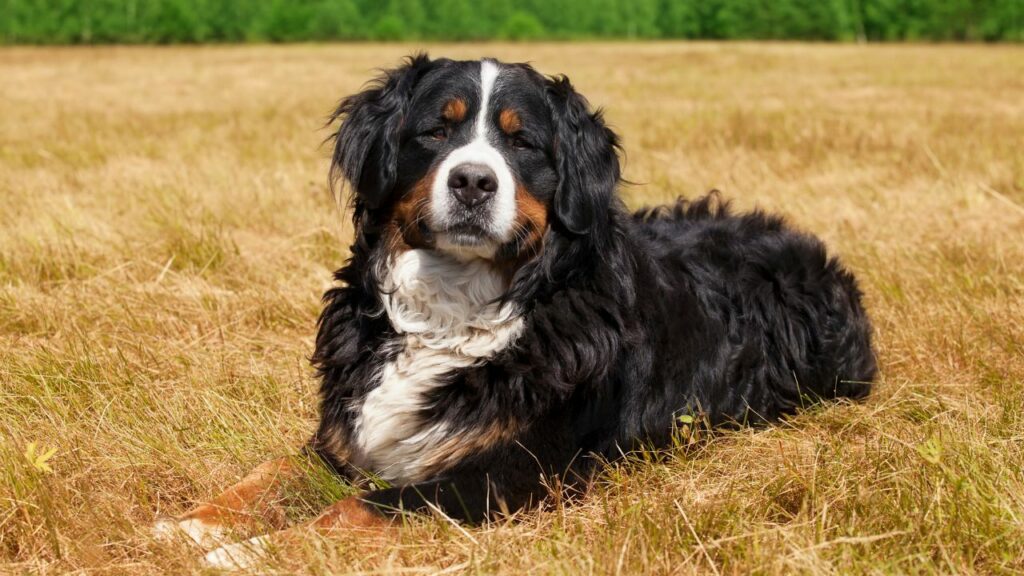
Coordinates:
351 515
371 515
247 506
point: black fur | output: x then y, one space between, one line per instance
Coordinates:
366 150
631 320
588 162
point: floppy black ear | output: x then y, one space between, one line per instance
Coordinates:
586 156
366 144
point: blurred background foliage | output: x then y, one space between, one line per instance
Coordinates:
194 21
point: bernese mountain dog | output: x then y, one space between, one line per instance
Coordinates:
504 325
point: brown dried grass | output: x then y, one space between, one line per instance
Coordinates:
166 232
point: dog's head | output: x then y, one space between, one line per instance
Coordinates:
479 159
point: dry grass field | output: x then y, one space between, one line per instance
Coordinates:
166 231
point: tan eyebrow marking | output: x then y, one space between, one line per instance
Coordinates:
509 121
454 110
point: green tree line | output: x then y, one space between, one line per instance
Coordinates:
190 21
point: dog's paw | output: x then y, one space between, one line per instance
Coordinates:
239 556
204 534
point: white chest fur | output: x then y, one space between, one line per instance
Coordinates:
446 312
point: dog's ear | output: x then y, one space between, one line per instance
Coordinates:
586 156
366 144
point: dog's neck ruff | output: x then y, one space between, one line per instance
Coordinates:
445 304
447 314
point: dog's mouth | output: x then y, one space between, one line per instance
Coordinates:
466 234
465 240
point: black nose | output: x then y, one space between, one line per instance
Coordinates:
472 184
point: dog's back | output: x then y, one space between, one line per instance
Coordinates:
755 319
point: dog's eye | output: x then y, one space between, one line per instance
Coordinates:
520 143
439 133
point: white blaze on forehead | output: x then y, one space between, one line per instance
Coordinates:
480 150
488 77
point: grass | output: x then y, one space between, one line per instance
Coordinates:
166 232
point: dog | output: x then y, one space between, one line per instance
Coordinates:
504 325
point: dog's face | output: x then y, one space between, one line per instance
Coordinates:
475 162
477 159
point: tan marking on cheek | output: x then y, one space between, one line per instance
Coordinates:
531 224
403 230
454 110
531 216
529 208
509 121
